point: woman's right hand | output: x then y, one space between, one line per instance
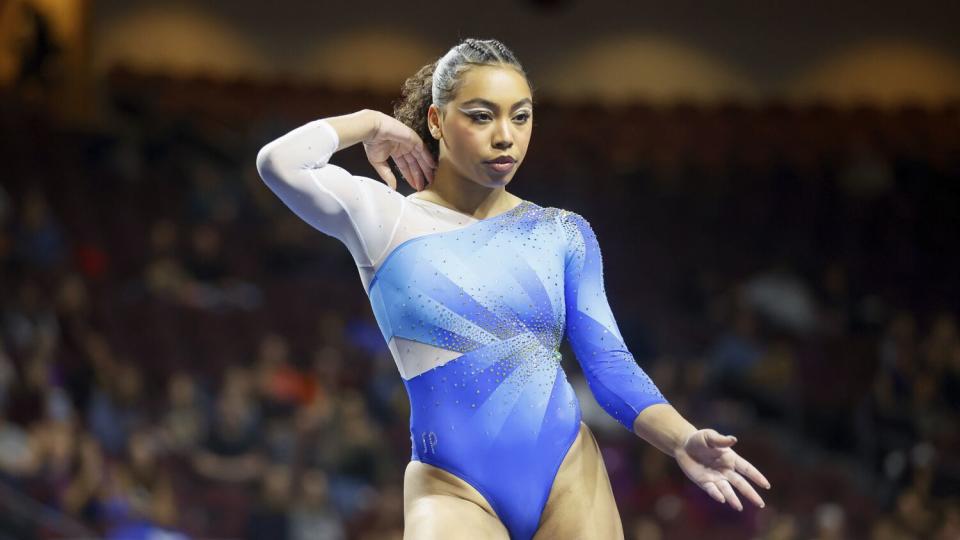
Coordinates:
393 138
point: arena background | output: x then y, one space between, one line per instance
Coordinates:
776 189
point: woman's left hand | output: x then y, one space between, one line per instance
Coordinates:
707 459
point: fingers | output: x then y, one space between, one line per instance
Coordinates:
383 169
414 163
745 488
729 495
426 162
418 181
714 492
744 467
716 440
420 159
408 175
741 465
410 155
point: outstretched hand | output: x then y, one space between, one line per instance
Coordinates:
707 459
395 139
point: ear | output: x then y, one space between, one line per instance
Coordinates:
434 122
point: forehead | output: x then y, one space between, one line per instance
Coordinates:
503 86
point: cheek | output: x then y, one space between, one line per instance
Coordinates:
465 142
523 139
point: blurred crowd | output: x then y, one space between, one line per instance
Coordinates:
181 355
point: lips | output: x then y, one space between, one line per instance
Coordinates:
502 159
502 167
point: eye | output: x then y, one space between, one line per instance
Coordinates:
479 116
482 117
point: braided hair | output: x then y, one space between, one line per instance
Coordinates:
438 82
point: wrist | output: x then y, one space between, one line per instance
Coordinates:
663 427
681 441
359 126
372 119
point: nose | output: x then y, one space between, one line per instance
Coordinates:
503 137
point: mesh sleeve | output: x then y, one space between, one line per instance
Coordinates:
361 212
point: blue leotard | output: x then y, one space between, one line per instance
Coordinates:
497 295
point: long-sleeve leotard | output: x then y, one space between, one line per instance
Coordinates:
474 311
617 382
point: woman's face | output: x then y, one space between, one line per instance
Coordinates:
491 117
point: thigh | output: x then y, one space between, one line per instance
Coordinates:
581 504
440 505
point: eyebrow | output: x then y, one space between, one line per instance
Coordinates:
492 105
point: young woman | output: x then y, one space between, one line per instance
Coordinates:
474 289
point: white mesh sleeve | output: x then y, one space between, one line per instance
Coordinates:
361 212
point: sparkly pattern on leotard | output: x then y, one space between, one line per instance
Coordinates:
489 302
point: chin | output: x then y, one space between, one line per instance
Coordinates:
499 182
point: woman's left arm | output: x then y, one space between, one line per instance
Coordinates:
662 426
626 392
617 382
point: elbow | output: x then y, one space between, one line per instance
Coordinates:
265 165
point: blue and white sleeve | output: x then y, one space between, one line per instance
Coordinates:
617 382
359 211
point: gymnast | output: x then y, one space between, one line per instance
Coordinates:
474 289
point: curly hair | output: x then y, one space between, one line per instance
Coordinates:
439 81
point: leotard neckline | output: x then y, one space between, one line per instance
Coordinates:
401 245
468 216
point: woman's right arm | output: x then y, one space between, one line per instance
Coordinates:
354 127
350 208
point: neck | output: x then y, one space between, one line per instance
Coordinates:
452 189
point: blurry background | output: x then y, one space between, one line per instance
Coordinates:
776 191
